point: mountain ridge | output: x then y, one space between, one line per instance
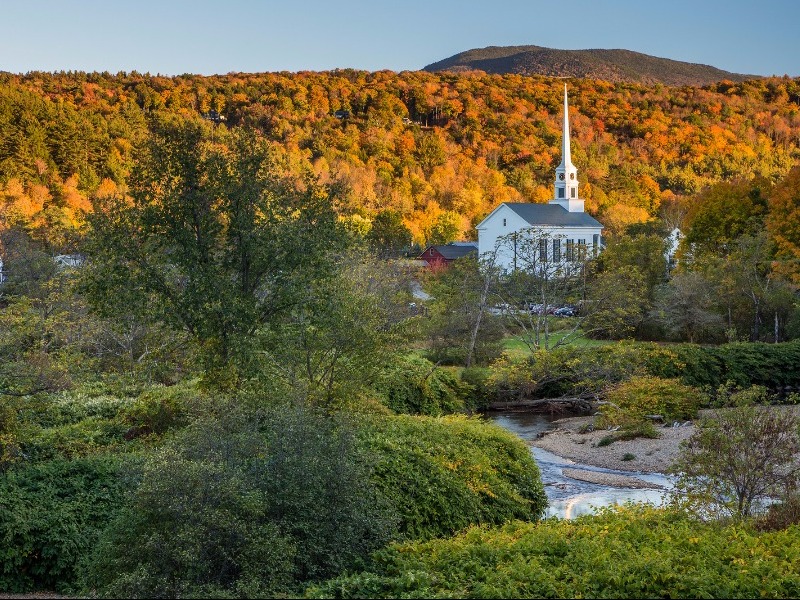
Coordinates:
614 65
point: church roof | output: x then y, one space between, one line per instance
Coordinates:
552 214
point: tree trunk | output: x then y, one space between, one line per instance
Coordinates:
473 338
777 328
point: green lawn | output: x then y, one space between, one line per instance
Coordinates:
516 347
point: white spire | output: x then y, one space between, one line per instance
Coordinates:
566 155
566 184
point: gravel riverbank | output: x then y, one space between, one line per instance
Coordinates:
649 455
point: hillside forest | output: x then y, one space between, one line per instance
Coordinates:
216 380
439 150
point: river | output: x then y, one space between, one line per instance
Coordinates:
569 498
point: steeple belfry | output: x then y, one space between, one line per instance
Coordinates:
566 184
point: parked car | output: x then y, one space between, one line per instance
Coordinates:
540 309
565 311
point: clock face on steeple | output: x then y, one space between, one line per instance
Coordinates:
572 175
561 176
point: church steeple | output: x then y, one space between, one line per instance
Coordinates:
566 184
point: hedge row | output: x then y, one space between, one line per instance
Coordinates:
581 371
634 552
743 364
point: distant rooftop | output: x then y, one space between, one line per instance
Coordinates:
455 250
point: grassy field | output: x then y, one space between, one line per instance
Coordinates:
516 347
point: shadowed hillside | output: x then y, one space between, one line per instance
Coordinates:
609 65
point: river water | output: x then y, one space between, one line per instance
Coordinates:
569 498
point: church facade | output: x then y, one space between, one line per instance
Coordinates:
524 235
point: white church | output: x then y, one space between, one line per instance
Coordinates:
522 234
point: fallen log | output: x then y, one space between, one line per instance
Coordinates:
545 405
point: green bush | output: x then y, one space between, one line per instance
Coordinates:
159 409
74 424
741 364
633 552
445 474
90 436
628 403
480 392
247 505
582 371
415 385
51 516
68 408
567 371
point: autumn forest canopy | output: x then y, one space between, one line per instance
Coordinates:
435 151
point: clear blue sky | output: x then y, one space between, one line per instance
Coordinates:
181 36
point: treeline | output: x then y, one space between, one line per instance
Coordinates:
437 150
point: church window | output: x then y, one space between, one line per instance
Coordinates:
581 250
570 250
543 250
595 244
560 192
572 192
504 222
556 250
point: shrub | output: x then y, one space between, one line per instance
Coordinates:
632 552
90 436
781 515
247 505
416 386
694 365
51 515
160 409
445 474
630 432
480 392
739 460
629 402
567 371
741 364
68 408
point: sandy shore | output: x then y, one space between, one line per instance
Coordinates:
649 455
622 481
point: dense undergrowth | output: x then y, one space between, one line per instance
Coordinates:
632 552
123 495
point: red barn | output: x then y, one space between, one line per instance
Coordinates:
440 256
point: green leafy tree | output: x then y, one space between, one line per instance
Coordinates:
617 303
389 235
460 330
783 224
446 228
685 307
723 212
645 253
341 334
213 241
739 460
